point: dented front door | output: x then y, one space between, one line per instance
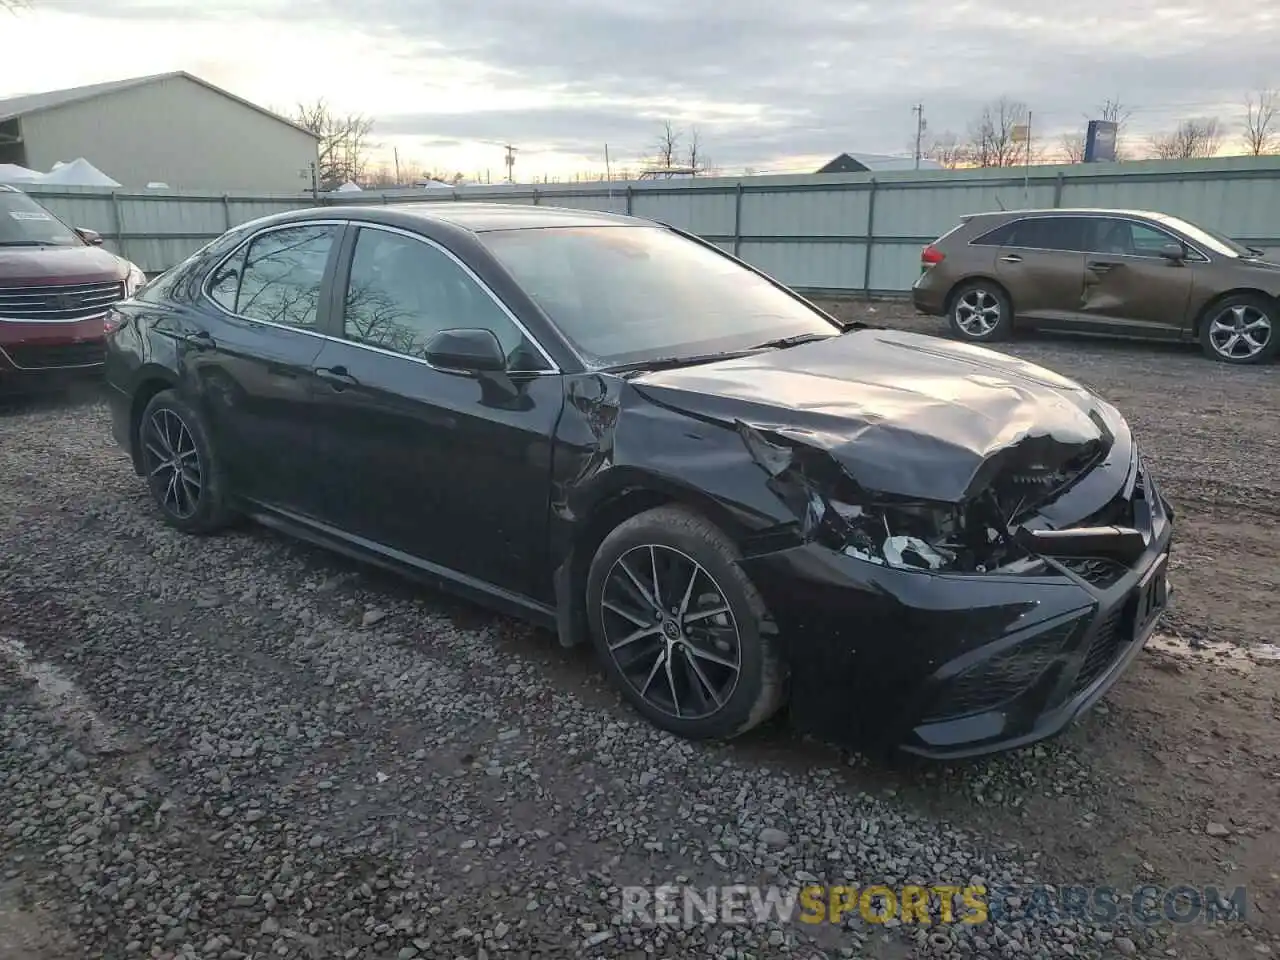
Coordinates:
1129 286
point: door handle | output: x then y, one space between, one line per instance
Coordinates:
1100 266
336 377
1011 258
199 339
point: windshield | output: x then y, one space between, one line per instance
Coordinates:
23 222
627 294
1211 240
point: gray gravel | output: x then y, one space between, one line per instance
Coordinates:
241 747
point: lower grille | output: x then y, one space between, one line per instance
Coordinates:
41 357
71 301
1098 571
1109 641
1002 677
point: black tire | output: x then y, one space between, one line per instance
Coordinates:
1227 322
663 536
197 502
975 304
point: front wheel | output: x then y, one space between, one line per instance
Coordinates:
981 312
680 629
1240 329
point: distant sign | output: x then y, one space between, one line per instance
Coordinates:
1100 141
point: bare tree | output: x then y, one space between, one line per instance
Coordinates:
699 164
945 149
1260 122
991 136
668 148
1191 138
13 6
344 142
1072 146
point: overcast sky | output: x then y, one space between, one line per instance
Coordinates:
772 85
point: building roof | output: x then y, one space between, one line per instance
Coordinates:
872 162
19 106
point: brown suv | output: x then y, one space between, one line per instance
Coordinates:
56 285
1124 272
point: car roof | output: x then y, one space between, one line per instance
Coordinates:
1075 211
484 217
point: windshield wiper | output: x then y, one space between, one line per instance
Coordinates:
666 363
793 341
25 243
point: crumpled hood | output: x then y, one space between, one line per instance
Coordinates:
901 413
27 266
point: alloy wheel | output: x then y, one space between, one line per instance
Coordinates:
1240 332
670 631
173 463
977 312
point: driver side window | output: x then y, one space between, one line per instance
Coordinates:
401 292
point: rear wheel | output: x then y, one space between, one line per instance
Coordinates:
1240 329
181 466
981 312
680 628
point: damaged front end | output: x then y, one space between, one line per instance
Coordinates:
979 534
956 627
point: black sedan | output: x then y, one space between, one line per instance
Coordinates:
617 430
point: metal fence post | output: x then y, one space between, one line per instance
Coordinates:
737 219
1058 183
119 221
628 199
870 241
226 213
535 196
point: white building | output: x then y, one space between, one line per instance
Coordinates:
172 127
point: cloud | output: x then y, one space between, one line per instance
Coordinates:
763 80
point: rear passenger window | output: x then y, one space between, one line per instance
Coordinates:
999 237
278 278
1049 233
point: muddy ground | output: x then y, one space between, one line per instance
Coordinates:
241 747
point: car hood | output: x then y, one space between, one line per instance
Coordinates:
900 413
29 266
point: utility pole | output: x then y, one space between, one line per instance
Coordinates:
396 153
511 163
918 110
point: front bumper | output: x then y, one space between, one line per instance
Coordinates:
950 666
34 355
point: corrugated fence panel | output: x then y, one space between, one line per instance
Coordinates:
789 226
809 266
815 213
705 212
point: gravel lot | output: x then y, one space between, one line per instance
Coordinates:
241 747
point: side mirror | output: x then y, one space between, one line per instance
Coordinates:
90 236
1173 251
466 351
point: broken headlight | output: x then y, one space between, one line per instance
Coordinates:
915 536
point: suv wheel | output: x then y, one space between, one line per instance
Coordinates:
1240 329
980 311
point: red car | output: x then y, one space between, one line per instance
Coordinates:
56 286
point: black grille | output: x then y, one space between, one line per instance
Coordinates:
1100 572
1112 636
70 301
1002 677
41 357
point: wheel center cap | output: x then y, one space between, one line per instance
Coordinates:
671 630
